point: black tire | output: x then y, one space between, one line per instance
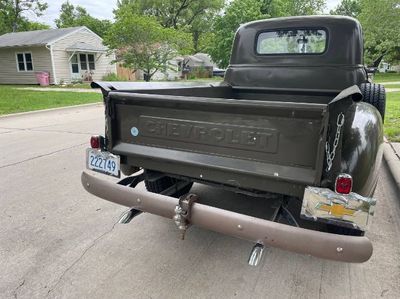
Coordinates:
375 95
165 182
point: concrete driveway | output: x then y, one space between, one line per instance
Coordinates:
57 241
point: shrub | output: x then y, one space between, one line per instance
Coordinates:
112 77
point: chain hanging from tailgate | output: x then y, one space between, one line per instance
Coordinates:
330 155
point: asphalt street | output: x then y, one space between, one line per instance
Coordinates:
58 241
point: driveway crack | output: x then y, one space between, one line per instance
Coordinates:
95 241
17 288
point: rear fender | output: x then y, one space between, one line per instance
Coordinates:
362 147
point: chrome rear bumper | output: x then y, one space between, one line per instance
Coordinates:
319 244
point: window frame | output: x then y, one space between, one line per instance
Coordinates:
292 54
25 63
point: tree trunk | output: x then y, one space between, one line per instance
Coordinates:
196 36
147 76
16 16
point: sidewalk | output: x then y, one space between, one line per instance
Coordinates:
391 154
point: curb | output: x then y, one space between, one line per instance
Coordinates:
393 161
49 110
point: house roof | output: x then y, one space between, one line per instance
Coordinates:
34 38
206 58
82 46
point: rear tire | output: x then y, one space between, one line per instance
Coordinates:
375 95
163 183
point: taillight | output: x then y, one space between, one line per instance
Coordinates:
344 183
95 141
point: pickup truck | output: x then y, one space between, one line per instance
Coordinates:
296 124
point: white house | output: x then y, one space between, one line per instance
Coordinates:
68 54
192 62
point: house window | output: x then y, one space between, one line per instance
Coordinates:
91 61
24 62
82 58
87 60
74 64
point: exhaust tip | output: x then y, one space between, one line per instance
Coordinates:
256 255
128 215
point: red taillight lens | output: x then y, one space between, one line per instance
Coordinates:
344 183
95 141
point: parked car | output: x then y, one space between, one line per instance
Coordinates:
296 123
217 72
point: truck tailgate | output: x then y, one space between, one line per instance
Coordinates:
261 145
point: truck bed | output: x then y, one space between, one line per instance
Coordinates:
264 142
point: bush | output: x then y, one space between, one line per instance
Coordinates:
191 76
112 77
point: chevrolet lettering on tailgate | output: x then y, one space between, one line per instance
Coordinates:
232 136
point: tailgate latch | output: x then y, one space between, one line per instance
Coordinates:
183 212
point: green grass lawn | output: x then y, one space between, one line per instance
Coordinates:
386 77
14 100
392 116
392 86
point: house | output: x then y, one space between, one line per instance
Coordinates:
198 65
385 67
68 54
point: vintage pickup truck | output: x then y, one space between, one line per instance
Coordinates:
296 124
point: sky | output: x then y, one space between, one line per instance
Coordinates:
103 9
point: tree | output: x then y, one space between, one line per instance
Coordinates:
29 26
67 17
191 16
284 8
381 25
71 16
303 7
12 13
351 8
236 13
141 43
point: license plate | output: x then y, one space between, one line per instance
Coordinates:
103 162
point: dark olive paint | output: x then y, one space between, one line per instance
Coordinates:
265 127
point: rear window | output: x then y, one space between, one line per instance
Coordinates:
292 41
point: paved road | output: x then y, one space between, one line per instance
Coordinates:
57 241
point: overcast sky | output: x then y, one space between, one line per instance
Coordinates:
102 9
